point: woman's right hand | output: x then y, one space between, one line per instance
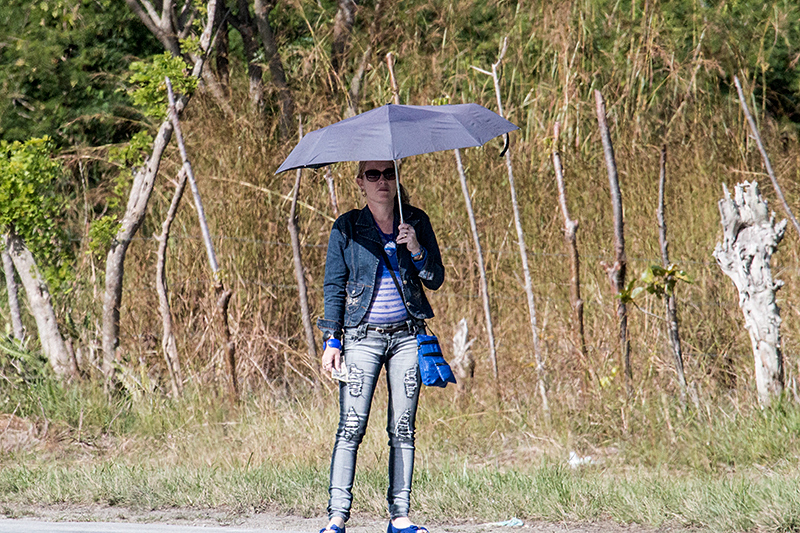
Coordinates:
331 359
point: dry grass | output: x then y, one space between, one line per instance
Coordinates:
661 86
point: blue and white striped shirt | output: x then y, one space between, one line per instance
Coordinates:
387 305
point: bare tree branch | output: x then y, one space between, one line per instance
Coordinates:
764 156
299 271
669 300
223 295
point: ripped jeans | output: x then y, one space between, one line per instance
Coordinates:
366 352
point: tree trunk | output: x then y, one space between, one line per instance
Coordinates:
392 79
669 300
213 86
617 271
17 329
299 271
221 50
248 30
168 339
41 306
487 310
342 28
571 239
142 188
262 10
162 27
354 95
170 27
750 237
462 362
332 191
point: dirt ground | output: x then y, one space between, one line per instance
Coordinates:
278 522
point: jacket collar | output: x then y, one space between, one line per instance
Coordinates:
366 219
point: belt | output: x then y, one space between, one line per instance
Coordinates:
389 328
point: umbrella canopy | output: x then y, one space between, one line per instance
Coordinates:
392 132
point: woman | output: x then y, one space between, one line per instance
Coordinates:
369 321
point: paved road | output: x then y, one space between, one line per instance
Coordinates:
30 526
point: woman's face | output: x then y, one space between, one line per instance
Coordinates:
384 188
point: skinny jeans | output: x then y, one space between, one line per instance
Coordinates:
366 352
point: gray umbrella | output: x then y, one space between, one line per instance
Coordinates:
392 132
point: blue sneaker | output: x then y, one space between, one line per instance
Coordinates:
410 529
334 528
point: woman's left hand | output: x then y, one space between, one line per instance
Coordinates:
408 236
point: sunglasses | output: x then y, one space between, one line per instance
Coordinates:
374 175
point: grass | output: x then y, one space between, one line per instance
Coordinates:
481 462
747 500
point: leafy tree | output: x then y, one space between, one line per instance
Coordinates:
29 215
30 204
60 62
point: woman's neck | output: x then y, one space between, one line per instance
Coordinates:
384 216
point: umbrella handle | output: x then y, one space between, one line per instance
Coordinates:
505 148
399 200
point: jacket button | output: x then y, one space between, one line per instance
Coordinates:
405 282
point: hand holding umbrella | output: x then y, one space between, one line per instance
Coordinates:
406 234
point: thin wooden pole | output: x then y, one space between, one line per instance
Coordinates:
571 240
168 338
223 295
481 267
617 271
523 252
299 271
669 300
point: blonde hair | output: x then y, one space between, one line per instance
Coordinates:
362 166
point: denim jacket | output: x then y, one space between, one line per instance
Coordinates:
351 267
